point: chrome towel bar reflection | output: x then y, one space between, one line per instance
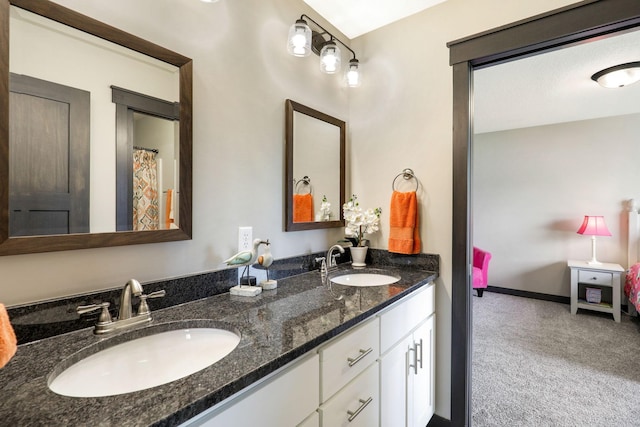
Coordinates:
305 181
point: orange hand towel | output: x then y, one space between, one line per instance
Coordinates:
8 342
302 207
404 236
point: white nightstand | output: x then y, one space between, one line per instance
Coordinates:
600 276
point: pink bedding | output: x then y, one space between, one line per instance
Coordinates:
632 285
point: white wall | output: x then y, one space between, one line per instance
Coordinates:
242 76
532 188
400 117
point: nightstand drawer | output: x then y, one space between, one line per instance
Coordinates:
595 278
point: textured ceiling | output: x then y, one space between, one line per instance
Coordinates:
356 17
555 87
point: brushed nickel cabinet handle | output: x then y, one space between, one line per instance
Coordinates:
363 404
415 358
363 353
420 354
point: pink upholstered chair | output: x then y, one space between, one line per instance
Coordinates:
480 269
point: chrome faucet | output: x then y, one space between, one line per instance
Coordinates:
328 263
331 260
131 287
125 318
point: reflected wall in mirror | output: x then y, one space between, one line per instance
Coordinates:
315 168
60 187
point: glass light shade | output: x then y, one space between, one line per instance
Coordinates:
353 75
618 76
330 58
299 41
594 226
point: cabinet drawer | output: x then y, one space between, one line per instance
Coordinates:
359 400
595 277
347 356
263 405
405 316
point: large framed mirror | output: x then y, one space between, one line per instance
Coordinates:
315 168
83 107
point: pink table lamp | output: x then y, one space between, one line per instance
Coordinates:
594 226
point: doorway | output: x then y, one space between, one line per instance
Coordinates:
573 24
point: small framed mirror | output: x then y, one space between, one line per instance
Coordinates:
315 168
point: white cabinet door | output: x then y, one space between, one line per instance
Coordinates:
356 405
269 403
393 384
405 315
421 384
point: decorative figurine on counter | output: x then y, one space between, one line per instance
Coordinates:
246 258
265 260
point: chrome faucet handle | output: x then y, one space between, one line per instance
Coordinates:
105 316
323 268
144 307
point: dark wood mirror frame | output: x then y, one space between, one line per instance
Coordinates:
22 245
290 108
576 23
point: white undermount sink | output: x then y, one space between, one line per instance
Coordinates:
365 279
144 362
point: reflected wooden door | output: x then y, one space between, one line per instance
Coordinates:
48 157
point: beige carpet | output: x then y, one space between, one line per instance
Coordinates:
534 364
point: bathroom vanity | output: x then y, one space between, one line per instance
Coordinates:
380 372
297 342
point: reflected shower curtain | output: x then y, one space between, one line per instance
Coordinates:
146 213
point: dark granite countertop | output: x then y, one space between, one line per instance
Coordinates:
276 327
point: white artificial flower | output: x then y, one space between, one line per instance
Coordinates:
360 222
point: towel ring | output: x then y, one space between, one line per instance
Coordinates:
306 181
407 174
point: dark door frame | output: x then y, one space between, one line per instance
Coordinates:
127 102
577 23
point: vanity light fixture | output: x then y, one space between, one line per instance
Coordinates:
302 41
618 76
330 58
353 75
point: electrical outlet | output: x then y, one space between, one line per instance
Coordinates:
245 238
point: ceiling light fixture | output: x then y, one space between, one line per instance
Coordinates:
618 76
302 41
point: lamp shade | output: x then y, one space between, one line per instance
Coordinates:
299 40
330 58
353 76
594 226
